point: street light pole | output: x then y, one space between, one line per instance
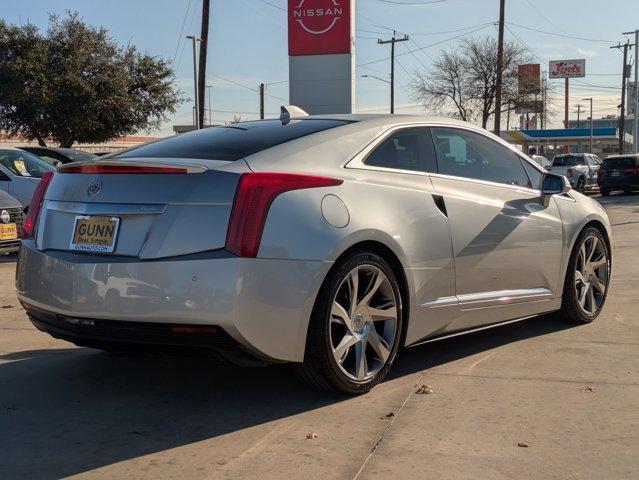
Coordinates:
591 122
196 123
500 67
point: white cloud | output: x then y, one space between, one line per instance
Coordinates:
586 53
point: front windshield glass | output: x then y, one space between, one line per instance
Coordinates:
24 164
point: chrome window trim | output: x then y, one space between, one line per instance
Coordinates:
357 162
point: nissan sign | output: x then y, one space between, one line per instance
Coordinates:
319 27
567 68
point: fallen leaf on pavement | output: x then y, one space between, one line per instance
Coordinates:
311 436
588 389
523 445
7 306
388 416
424 390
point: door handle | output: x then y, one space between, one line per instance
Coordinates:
440 204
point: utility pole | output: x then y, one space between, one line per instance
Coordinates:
392 41
591 122
622 117
209 88
261 89
500 67
196 120
635 133
578 112
204 40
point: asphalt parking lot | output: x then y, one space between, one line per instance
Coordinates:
539 399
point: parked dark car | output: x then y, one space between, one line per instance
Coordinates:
11 220
57 156
619 172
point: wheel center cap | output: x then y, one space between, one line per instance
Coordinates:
358 321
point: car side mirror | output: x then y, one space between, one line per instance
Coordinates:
554 184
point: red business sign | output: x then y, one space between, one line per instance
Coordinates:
319 27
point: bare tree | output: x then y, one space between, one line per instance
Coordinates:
445 86
466 79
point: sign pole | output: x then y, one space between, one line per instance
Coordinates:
566 102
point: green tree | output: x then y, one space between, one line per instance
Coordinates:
73 83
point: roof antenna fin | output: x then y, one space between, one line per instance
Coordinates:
291 111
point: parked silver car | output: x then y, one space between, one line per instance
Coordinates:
20 173
11 219
329 241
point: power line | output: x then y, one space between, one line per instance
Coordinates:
274 6
180 36
561 34
545 17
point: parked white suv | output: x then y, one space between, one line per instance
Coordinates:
580 168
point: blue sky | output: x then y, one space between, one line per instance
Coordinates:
248 43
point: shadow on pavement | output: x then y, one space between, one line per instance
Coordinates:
10 258
68 411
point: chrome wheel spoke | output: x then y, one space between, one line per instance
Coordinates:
593 246
582 297
338 312
361 364
591 301
378 313
599 285
353 288
579 278
343 348
378 344
373 286
595 264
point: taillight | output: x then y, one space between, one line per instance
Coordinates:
28 228
601 173
121 169
632 171
254 195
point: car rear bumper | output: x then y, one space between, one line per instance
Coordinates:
619 182
9 247
261 304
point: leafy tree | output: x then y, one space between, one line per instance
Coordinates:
75 84
466 79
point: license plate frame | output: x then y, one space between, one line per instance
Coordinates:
96 247
12 227
615 173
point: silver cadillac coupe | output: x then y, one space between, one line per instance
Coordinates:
328 241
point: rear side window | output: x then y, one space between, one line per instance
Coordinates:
406 149
568 161
232 142
620 163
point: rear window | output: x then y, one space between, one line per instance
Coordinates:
568 161
24 164
619 163
232 142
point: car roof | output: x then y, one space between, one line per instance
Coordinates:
626 155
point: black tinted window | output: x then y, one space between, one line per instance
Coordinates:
231 142
468 154
407 149
619 163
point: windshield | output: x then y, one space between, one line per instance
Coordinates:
24 164
231 142
77 156
568 161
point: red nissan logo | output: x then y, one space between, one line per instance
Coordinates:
317 16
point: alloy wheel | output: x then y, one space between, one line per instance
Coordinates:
591 275
363 324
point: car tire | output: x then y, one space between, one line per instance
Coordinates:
581 186
627 190
605 192
583 298
335 345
